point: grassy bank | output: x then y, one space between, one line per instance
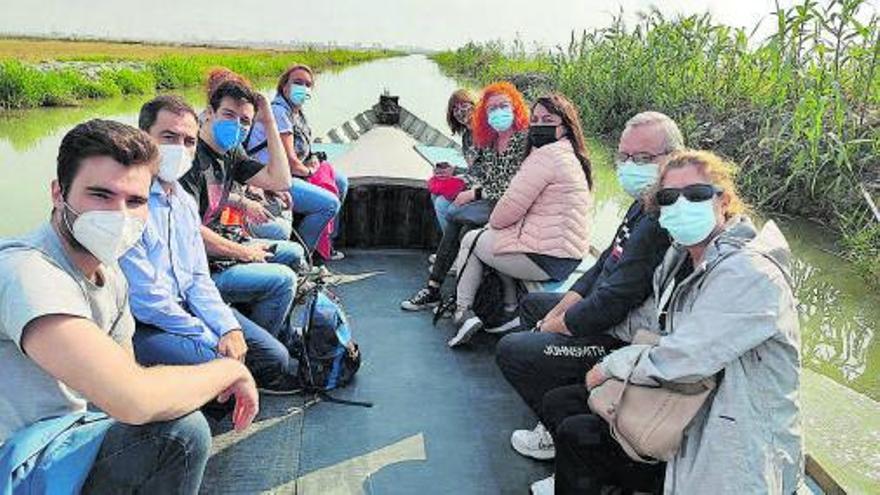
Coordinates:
37 73
799 110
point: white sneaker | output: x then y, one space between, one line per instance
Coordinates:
546 486
537 443
432 259
465 332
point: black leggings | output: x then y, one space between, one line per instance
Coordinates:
587 457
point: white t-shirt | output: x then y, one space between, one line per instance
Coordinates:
37 279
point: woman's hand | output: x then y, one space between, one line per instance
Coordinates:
465 197
595 377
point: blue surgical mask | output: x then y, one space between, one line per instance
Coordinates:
228 134
636 178
689 223
501 118
298 94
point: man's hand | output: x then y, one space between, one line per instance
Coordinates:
255 253
255 211
568 300
283 196
594 377
232 345
465 197
264 111
555 324
247 401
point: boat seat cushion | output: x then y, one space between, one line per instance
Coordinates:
437 154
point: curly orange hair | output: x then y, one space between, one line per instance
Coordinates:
484 135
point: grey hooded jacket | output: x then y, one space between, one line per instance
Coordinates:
735 317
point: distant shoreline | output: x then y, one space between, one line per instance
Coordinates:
219 44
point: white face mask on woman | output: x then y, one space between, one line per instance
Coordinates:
107 234
176 161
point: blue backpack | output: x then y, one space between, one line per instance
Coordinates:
321 340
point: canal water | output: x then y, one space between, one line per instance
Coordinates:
840 317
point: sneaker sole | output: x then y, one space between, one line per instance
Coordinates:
267 391
422 307
510 325
538 455
468 329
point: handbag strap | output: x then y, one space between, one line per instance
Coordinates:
612 425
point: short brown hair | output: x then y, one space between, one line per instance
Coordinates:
171 103
224 83
127 145
285 76
458 96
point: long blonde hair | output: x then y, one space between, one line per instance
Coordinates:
719 171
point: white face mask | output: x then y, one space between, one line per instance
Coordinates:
106 234
176 161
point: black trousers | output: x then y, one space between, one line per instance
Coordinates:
536 362
587 457
447 251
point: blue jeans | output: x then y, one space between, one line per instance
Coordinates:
266 358
266 290
318 205
167 457
342 185
276 229
442 208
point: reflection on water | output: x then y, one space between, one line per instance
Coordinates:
840 318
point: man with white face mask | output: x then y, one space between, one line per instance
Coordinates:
181 318
65 341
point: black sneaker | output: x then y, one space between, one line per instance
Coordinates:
426 297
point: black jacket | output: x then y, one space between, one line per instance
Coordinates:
621 278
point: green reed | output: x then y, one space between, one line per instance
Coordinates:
799 110
23 85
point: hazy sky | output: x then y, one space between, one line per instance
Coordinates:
424 23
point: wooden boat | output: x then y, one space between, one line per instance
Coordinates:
442 419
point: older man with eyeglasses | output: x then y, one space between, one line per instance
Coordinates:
570 329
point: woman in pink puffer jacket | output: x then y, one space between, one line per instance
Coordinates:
540 228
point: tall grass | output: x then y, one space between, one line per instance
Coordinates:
23 85
799 110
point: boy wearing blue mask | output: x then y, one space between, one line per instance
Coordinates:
571 328
242 268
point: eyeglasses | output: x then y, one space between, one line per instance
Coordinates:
694 192
640 158
498 106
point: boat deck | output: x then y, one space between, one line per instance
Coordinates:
441 421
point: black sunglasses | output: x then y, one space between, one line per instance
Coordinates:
693 192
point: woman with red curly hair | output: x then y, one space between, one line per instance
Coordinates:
500 124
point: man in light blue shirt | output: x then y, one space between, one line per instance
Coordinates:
181 317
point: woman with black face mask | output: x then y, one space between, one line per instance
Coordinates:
540 228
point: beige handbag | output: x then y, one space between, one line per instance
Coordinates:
648 422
